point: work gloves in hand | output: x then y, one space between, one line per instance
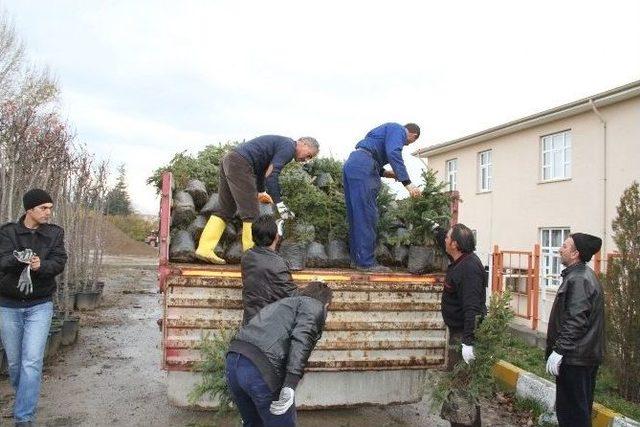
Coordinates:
553 363
284 211
413 190
283 404
432 224
265 198
280 225
467 353
25 285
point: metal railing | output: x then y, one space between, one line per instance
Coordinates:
519 272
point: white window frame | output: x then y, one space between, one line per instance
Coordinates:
555 156
485 171
550 264
451 168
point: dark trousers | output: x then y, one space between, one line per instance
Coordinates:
454 352
252 395
574 395
237 189
361 178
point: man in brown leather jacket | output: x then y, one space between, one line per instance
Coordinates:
575 336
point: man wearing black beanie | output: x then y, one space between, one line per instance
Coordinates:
32 254
575 336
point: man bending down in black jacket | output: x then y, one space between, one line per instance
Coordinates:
265 274
267 358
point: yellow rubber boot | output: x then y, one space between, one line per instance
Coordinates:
247 237
209 240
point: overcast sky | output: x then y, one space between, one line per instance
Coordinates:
142 80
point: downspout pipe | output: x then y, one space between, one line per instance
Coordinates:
604 178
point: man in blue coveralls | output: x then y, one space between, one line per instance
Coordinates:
361 174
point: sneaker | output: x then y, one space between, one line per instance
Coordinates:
375 269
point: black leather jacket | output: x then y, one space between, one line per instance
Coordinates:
280 338
265 279
47 241
576 323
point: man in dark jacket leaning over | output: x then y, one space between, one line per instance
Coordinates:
249 174
464 293
265 274
267 358
26 306
575 336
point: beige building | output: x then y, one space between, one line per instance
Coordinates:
539 178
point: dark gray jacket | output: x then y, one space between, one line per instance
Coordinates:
280 338
265 279
264 151
576 323
47 241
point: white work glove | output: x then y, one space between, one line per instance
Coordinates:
467 353
284 211
432 224
283 404
280 225
413 190
553 364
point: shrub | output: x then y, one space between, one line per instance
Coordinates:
204 166
214 384
324 209
491 344
622 297
419 214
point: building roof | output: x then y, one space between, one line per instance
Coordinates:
612 96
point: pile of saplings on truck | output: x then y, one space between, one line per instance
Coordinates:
317 236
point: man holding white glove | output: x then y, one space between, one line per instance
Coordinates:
361 178
464 293
249 175
575 336
267 358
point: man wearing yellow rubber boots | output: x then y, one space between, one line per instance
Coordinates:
249 175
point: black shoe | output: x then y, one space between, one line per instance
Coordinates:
375 269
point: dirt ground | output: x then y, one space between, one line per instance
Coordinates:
112 375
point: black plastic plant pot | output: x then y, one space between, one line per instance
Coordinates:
461 409
99 286
54 342
70 330
87 300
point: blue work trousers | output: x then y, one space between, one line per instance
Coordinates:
24 333
252 395
361 177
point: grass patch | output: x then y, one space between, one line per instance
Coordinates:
532 359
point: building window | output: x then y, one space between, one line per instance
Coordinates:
556 156
484 171
452 174
550 241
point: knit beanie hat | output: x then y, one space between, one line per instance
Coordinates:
35 197
586 244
